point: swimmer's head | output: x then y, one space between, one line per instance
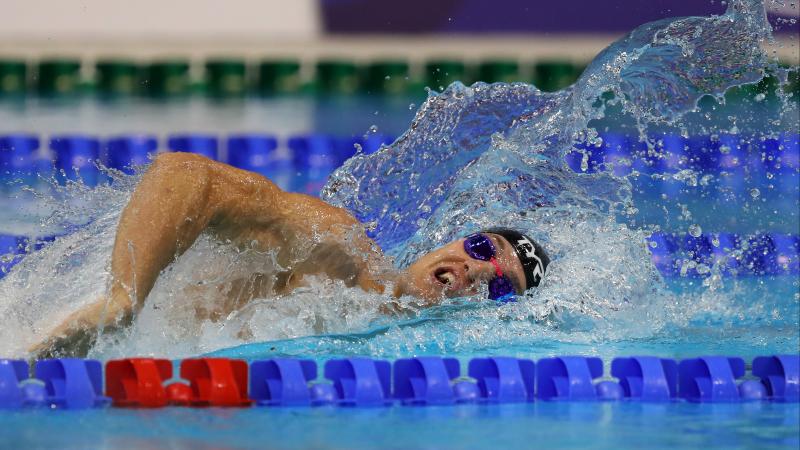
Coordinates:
454 270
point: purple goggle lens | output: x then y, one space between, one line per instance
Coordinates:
501 289
479 246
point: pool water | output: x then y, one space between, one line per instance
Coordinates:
473 157
539 425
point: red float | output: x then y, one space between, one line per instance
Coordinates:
138 382
216 381
179 394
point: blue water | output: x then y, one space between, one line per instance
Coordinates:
539 425
473 157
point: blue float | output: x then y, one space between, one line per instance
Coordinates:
72 383
699 249
259 153
759 256
18 157
466 391
360 381
726 244
592 152
752 390
781 153
617 153
669 153
787 254
345 148
702 154
12 373
76 158
568 378
373 142
126 152
282 382
646 378
780 375
199 144
425 380
314 158
710 379
663 248
12 249
503 379
609 390
731 151
253 152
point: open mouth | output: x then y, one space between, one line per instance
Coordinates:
445 276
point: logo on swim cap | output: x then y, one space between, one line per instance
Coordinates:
529 250
533 258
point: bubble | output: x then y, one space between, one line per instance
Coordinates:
755 192
695 230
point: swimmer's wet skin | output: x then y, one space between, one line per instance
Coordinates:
183 195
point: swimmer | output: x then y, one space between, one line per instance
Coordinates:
183 195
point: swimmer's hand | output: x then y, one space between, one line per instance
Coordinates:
76 334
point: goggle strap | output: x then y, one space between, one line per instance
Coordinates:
497 270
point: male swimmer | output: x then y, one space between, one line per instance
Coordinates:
183 195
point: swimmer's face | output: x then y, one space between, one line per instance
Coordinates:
450 272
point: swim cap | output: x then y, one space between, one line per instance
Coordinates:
532 256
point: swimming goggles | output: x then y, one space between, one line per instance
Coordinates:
479 246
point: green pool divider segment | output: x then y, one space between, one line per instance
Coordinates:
499 71
167 78
226 77
441 73
233 77
13 77
768 90
792 85
554 75
278 76
58 77
390 77
117 77
337 77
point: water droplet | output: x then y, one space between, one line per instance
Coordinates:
755 192
411 106
695 230
759 97
373 129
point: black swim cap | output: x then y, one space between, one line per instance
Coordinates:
532 256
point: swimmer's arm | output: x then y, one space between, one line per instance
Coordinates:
179 197
170 207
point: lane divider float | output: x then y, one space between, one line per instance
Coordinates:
71 383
